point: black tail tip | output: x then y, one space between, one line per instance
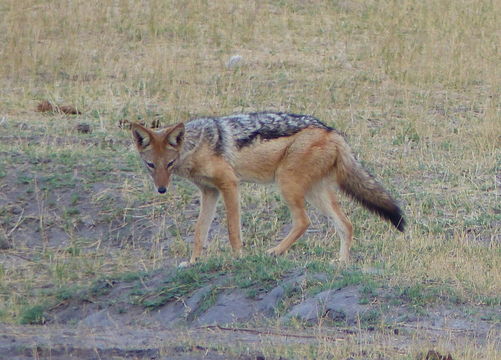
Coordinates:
398 221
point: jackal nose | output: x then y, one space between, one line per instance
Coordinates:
162 189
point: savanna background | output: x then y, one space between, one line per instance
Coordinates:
89 252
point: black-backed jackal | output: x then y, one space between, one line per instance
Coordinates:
307 159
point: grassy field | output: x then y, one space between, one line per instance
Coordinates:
414 85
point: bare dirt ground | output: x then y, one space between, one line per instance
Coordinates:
230 342
27 342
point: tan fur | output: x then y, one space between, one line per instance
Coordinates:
306 166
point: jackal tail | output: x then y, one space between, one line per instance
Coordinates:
358 183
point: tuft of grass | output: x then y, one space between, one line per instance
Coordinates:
207 301
259 270
32 315
67 293
421 296
179 284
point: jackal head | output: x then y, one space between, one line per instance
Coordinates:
159 151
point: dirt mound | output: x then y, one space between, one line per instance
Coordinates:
118 318
219 301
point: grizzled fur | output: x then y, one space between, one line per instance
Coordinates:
242 130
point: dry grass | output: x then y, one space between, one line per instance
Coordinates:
414 84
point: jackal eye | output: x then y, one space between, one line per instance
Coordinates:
170 163
150 164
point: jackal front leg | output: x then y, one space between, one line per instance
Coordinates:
229 189
205 217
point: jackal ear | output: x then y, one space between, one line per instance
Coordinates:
175 136
141 135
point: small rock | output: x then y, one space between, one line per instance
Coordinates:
84 128
234 61
342 304
4 243
269 302
16 210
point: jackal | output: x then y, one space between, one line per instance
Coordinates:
307 159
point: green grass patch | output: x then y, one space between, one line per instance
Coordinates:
32 315
3 170
180 283
259 270
420 296
67 293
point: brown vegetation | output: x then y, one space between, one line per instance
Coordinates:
46 106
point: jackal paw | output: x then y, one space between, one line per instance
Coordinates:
274 251
184 264
344 257
341 261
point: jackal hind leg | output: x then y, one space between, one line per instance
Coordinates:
293 194
324 199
